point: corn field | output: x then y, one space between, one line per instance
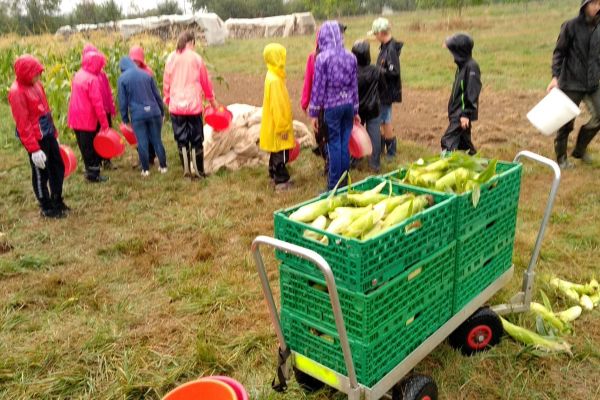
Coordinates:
62 59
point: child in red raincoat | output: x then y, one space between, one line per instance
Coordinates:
36 131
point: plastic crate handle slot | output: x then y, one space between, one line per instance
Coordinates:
489 225
322 336
493 184
317 286
413 227
414 274
412 319
488 262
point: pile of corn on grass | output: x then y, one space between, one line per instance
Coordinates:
552 326
455 173
360 215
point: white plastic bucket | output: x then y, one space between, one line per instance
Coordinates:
554 111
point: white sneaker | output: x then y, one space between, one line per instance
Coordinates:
162 170
145 174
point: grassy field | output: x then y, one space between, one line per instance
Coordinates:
150 283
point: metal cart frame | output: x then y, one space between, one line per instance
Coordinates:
349 384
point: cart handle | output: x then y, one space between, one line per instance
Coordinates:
521 302
324 267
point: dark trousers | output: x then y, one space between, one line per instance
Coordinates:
188 131
277 169
189 135
339 124
91 159
321 138
147 132
48 182
587 131
374 130
457 138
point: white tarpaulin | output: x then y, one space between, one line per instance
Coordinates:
280 26
237 147
209 25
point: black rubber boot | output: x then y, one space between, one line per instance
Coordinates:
560 148
198 163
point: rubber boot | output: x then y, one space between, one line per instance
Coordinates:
198 163
560 148
185 161
583 140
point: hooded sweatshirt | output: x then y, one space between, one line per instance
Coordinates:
575 61
29 105
139 98
389 61
186 83
370 82
107 97
335 81
136 53
86 108
276 129
464 100
309 75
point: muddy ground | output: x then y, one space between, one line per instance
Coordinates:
422 117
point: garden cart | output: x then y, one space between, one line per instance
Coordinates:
472 327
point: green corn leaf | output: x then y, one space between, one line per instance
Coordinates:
546 301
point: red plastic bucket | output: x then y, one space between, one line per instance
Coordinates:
69 159
218 119
295 152
360 143
206 389
108 144
237 387
128 134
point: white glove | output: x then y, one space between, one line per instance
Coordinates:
39 159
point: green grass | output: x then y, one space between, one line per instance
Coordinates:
512 46
150 283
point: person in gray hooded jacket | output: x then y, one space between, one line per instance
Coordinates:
576 71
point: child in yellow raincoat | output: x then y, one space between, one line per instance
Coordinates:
277 129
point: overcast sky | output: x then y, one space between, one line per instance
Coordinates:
127 5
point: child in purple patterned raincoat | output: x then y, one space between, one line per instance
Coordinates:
335 90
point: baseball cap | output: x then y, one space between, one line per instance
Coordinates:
379 25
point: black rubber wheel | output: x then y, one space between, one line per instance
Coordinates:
480 332
416 387
307 382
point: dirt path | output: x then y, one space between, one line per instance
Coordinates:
422 117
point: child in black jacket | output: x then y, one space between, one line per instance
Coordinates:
370 81
463 106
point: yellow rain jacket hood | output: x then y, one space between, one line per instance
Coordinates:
277 129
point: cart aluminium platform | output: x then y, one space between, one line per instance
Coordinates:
399 383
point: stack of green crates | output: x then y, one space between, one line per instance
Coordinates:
485 234
395 289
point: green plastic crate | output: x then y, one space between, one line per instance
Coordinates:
368 317
499 195
474 276
362 266
374 360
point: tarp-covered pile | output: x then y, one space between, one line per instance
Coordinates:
209 27
237 147
281 26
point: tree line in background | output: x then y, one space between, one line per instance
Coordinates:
42 16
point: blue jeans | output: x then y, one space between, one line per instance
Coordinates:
148 131
339 122
374 130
